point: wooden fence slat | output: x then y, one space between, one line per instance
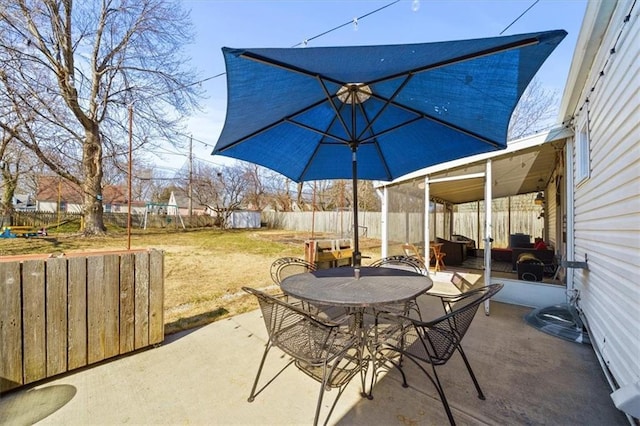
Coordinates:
10 325
95 309
142 300
112 305
77 312
34 321
127 299
156 297
56 308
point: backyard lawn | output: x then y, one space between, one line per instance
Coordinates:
205 269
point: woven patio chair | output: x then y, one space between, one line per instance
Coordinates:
461 284
401 262
319 348
430 342
286 266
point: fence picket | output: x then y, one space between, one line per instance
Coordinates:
10 327
33 317
156 297
142 300
127 303
77 328
56 308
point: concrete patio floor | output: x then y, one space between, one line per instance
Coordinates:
203 376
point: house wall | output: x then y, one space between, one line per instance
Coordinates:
606 205
52 207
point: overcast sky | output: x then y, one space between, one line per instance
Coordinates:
271 23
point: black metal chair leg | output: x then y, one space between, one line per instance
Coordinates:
473 376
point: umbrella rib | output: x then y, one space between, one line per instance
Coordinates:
333 106
420 114
288 119
390 129
376 143
463 58
387 102
312 129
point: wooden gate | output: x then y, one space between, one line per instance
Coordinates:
61 313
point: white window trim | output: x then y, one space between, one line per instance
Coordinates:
583 148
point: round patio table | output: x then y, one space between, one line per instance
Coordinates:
375 287
340 287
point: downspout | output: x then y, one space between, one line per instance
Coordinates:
427 225
384 219
570 212
487 229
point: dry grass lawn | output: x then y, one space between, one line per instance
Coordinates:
204 269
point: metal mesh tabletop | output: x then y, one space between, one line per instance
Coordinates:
340 287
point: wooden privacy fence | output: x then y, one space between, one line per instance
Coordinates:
61 313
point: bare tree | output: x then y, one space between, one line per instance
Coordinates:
222 190
10 164
536 108
255 192
76 72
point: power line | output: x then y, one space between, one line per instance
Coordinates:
521 15
353 21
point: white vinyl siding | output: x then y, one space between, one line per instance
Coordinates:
607 204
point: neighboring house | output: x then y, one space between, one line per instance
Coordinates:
589 172
55 194
179 204
23 203
601 102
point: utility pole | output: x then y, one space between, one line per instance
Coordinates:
191 176
129 198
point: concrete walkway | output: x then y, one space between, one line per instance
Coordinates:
204 377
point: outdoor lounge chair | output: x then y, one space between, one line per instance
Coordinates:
430 342
320 348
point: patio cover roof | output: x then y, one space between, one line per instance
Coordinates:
524 167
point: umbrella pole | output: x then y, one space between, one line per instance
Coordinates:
357 258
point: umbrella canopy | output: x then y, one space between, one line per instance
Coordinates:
307 112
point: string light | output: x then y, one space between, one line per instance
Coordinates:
415 5
601 74
351 22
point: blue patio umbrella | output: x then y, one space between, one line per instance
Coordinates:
375 112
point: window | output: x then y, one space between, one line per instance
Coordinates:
583 151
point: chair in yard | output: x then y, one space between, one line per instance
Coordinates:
461 286
412 251
431 342
322 349
287 266
402 262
